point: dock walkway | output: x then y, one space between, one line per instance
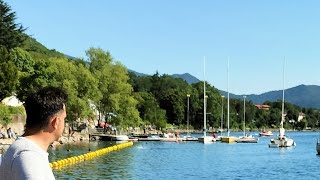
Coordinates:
108 137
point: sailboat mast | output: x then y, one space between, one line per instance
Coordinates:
244 115
283 86
228 100
204 98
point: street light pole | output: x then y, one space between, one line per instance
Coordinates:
244 115
221 115
188 96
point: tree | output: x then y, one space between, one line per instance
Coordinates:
100 67
10 33
5 116
120 97
40 77
23 61
117 97
80 85
149 109
8 74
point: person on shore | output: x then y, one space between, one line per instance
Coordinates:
177 135
27 157
9 132
2 136
214 136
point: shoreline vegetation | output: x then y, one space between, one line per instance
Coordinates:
77 137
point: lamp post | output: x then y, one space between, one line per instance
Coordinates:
188 96
244 115
221 115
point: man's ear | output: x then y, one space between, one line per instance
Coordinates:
54 122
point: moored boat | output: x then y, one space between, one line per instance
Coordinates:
228 139
121 138
247 139
266 133
282 140
205 139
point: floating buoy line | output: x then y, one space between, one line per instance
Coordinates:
87 156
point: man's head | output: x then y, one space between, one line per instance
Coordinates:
46 108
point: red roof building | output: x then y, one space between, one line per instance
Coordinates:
262 106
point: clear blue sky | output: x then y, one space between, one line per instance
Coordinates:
174 36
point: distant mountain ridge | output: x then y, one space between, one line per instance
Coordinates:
137 73
303 95
187 77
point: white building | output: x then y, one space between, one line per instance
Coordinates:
12 101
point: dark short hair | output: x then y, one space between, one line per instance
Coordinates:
42 105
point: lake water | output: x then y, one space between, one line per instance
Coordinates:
194 160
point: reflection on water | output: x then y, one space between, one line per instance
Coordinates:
193 160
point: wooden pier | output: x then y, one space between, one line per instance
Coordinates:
108 137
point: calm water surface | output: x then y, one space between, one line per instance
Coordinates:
193 160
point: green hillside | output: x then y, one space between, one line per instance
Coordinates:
35 48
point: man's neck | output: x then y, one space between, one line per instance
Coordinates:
40 138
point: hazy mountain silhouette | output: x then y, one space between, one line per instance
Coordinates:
302 95
187 77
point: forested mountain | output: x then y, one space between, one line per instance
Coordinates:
137 73
187 77
303 95
34 47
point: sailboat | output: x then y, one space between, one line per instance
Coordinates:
265 133
282 140
205 139
246 138
228 139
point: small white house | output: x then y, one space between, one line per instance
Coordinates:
12 101
301 116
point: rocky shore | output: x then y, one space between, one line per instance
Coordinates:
64 139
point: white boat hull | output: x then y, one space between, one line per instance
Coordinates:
121 138
269 133
206 139
282 142
245 139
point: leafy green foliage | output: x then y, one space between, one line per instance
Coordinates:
117 97
6 113
10 32
8 74
23 61
37 50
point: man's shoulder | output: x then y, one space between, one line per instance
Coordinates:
21 145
